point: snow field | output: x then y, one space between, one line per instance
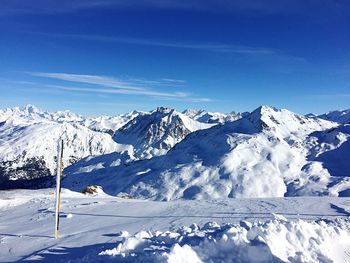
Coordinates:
275 228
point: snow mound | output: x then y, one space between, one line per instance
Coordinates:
271 241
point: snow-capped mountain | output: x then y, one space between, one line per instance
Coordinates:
342 116
165 155
155 133
30 114
107 123
28 139
29 151
212 117
29 136
265 154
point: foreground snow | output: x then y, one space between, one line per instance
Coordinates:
104 228
273 241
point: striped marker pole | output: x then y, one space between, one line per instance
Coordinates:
58 185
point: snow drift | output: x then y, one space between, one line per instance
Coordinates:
272 241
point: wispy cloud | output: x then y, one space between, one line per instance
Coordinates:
9 7
110 85
255 54
130 83
123 91
328 96
158 82
182 96
212 47
270 58
88 79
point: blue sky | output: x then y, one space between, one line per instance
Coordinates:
109 57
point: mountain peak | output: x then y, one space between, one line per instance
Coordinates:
163 110
263 109
262 113
285 123
29 108
157 132
192 112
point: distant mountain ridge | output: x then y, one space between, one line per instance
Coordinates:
213 117
31 114
340 116
164 154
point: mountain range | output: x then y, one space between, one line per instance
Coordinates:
166 155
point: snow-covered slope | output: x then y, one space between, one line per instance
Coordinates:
265 154
340 116
29 136
155 133
330 150
213 117
30 150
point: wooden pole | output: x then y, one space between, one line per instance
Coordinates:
58 185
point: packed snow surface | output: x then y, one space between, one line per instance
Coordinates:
102 228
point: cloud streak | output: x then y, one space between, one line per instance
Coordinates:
13 7
109 85
131 83
328 96
123 91
211 47
88 79
251 54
